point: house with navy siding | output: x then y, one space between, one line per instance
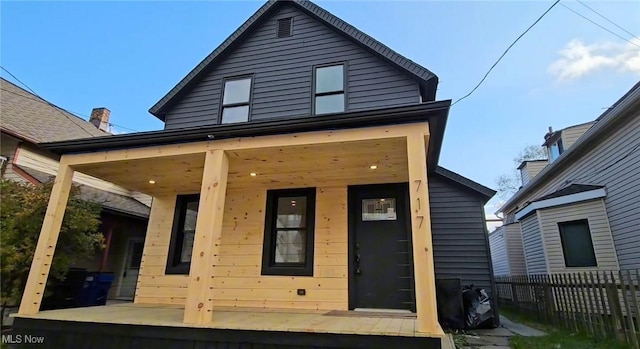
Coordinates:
298 200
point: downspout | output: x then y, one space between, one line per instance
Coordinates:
107 246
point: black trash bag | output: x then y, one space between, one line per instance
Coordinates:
477 308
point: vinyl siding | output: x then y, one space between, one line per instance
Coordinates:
531 170
282 69
460 242
612 163
571 134
8 147
533 245
596 214
499 257
515 250
31 157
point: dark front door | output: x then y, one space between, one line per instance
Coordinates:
380 259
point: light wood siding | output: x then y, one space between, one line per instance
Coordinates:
533 245
153 285
594 211
571 134
283 69
499 256
602 165
238 268
8 147
515 250
460 241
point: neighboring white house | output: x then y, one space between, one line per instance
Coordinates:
580 211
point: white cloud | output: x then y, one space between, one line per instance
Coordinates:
578 59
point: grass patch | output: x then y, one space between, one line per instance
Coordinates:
564 340
556 338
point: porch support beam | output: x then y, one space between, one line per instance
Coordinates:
206 245
423 266
43 256
283 140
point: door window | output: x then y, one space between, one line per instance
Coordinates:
383 209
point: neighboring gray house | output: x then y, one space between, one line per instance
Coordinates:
580 212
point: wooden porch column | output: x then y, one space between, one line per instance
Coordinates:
199 305
47 241
424 272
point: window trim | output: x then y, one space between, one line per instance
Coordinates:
268 247
562 243
174 266
313 86
249 103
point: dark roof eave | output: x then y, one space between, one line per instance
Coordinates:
485 192
435 113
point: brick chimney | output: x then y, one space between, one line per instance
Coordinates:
100 118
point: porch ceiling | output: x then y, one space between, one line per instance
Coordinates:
172 174
340 163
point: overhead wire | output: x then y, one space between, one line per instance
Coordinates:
602 27
607 19
505 53
59 109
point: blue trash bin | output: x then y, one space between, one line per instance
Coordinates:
95 289
103 284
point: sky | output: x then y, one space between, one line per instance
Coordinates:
126 55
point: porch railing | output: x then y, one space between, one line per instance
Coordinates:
603 304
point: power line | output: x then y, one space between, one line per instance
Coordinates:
68 111
577 13
607 19
505 52
59 110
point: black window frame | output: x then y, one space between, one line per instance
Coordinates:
174 265
269 267
314 95
585 222
249 103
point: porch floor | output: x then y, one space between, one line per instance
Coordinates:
254 319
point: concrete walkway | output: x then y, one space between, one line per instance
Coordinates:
498 338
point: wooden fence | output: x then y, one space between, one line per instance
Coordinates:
603 304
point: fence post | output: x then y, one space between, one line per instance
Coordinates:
631 335
614 306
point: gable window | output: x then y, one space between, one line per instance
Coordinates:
236 99
182 235
288 235
555 150
576 244
328 91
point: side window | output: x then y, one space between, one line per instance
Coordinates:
328 89
182 235
236 100
577 245
288 235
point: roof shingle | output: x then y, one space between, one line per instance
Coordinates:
33 119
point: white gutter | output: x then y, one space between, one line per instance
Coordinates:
562 200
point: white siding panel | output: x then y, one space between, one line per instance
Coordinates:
499 256
533 245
